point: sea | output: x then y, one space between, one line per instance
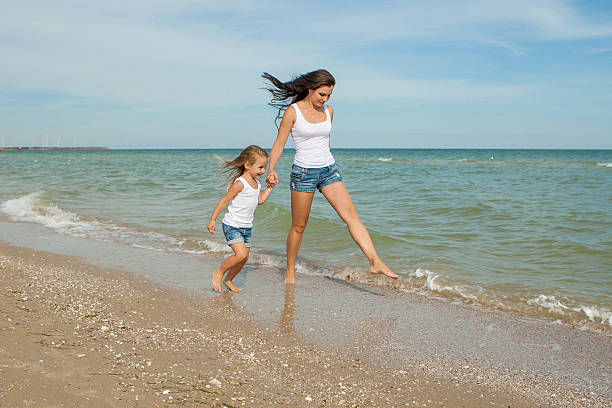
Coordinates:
517 231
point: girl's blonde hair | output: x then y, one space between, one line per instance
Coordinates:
236 168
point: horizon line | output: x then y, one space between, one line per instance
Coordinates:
104 148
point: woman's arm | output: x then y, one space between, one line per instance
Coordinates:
279 144
331 119
231 193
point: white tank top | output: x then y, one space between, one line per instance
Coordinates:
241 209
311 141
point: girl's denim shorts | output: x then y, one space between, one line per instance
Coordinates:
309 179
234 235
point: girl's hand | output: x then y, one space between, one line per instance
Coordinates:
270 185
272 179
211 226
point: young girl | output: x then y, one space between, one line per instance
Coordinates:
243 196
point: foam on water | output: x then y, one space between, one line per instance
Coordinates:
453 290
553 305
31 208
34 208
426 282
213 246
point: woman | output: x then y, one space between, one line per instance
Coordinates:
308 118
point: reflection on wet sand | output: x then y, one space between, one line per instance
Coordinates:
225 299
286 320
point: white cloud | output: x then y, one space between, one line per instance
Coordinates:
97 53
134 52
444 20
362 85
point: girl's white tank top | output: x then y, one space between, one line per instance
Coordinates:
241 209
311 140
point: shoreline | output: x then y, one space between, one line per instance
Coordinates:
105 336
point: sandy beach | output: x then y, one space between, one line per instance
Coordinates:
74 334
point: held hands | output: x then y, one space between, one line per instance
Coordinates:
211 226
272 179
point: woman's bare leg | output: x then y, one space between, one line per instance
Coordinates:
340 200
241 254
300 210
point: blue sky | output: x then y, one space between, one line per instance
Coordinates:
186 74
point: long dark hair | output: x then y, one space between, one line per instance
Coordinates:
286 93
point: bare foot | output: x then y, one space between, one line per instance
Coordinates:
230 285
217 275
290 277
380 267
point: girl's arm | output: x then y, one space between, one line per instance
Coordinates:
279 144
264 194
231 193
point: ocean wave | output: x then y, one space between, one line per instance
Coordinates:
585 163
553 305
453 289
432 284
31 208
213 246
34 208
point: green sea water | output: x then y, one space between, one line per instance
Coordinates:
528 231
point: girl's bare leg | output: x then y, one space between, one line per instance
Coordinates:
231 274
241 254
340 200
300 210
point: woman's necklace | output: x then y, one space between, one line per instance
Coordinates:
311 112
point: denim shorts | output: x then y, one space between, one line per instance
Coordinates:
234 235
309 179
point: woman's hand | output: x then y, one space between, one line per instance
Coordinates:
272 179
211 226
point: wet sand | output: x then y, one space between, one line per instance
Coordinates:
77 334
